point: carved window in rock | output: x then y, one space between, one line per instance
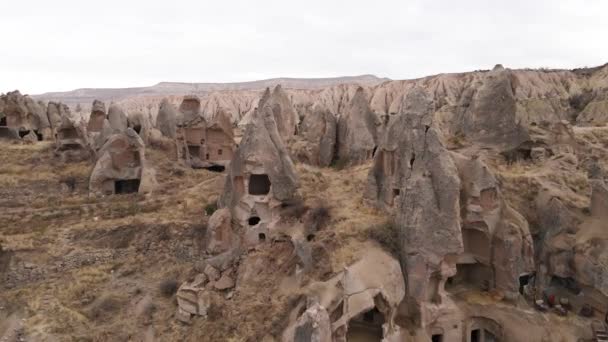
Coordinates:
194 151
126 186
259 184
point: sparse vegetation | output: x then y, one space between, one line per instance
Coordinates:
387 235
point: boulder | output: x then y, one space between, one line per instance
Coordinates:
219 235
313 325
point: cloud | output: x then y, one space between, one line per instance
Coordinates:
67 44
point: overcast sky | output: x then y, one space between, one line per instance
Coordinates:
66 44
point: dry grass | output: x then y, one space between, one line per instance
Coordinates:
351 217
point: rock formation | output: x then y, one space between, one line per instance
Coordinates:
261 177
190 109
282 109
97 117
356 131
121 167
71 142
140 124
370 289
55 112
203 144
317 133
166 119
117 118
23 118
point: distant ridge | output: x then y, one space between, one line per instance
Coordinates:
87 95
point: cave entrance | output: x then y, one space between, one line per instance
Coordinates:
477 243
259 184
482 335
567 283
39 136
262 237
253 220
215 168
366 326
194 151
70 147
23 133
137 128
437 338
3 121
475 335
471 276
126 186
68 133
523 281
396 193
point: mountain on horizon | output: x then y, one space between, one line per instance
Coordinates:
87 95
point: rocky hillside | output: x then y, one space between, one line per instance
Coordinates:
456 207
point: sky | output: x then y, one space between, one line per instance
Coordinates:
63 45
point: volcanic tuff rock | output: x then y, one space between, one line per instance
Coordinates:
140 123
122 159
282 109
117 118
316 139
97 117
21 113
401 142
260 177
357 131
71 141
55 112
166 119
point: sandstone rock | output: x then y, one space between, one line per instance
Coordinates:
356 131
117 118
